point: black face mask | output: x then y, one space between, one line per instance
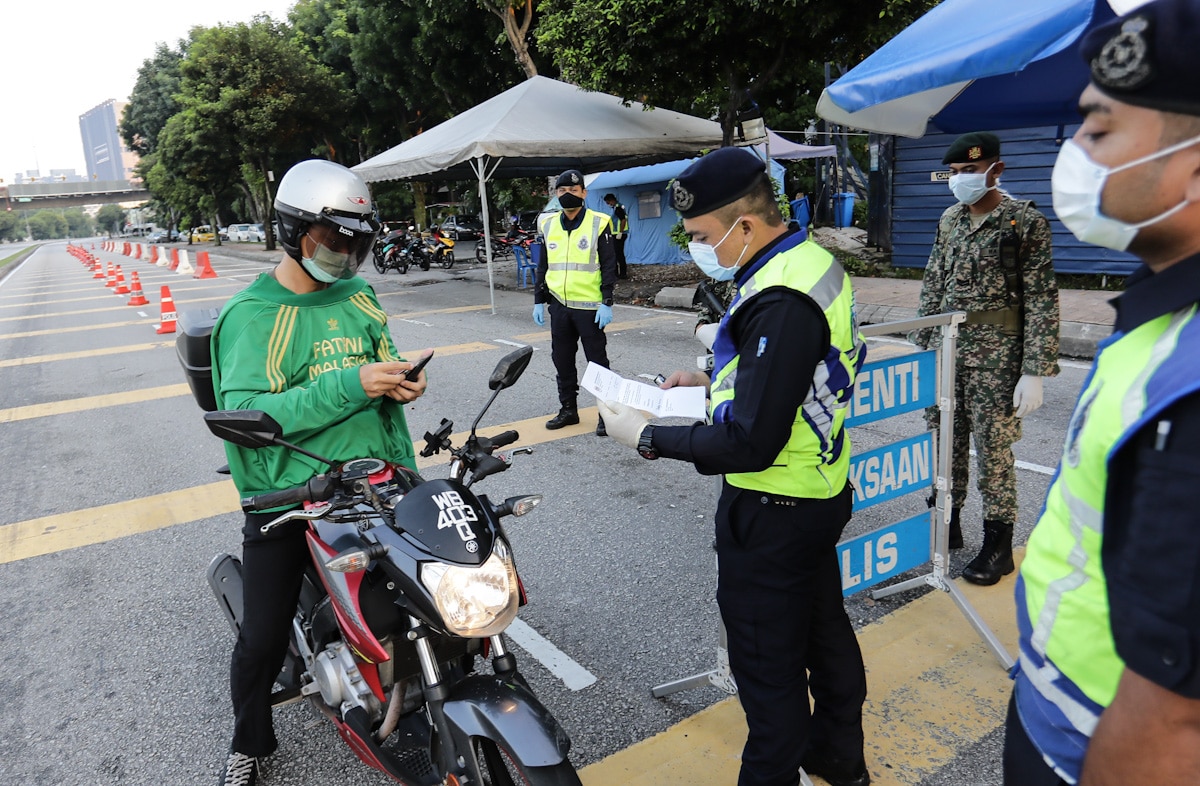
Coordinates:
570 201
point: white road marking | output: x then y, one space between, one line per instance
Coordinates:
573 675
510 343
1038 468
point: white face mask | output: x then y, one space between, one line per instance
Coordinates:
328 266
705 257
1078 184
969 187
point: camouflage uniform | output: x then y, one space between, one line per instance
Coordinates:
965 273
705 315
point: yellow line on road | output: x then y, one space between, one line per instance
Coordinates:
933 691
613 327
454 310
50 534
83 353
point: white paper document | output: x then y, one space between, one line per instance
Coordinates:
682 402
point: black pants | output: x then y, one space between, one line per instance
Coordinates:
272 569
1023 764
619 248
569 327
780 594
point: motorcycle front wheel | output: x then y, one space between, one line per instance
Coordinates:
379 264
499 768
481 252
447 259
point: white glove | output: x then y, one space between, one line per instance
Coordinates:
1028 395
707 334
624 423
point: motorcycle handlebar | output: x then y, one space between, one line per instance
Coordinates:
317 489
505 438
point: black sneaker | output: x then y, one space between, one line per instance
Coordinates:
567 416
601 431
835 771
240 770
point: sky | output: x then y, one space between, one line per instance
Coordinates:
61 58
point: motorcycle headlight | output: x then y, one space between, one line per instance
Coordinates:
475 602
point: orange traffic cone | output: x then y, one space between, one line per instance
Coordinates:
99 270
203 267
139 297
112 276
121 289
166 322
174 258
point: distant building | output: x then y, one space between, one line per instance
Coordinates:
103 150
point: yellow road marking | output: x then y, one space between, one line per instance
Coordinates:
83 353
934 690
122 307
50 534
454 310
613 327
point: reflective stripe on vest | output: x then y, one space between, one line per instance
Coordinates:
1067 653
815 461
573 260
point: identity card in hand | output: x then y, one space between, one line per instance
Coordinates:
681 402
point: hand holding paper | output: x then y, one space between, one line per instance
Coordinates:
678 402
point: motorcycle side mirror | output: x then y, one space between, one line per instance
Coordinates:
247 428
510 368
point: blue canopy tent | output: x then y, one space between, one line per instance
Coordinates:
972 65
643 192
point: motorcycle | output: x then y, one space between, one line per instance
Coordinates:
503 247
441 248
391 252
412 582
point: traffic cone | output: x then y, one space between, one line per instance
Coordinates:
203 266
138 252
138 298
121 288
99 270
166 322
112 276
174 258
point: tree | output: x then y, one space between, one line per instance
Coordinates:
516 32
715 57
110 219
153 100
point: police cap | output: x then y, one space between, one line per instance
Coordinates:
1149 56
972 147
725 175
572 177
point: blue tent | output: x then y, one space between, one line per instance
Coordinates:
643 192
971 64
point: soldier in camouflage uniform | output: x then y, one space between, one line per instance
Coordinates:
992 259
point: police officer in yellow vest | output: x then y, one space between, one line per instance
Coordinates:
575 277
620 220
1107 686
787 352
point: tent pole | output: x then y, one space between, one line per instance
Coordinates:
479 166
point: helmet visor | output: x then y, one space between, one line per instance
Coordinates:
339 245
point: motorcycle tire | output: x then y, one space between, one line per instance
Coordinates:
447 259
379 264
499 768
425 263
402 267
481 252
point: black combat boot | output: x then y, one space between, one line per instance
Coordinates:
955 539
568 415
995 558
601 431
835 771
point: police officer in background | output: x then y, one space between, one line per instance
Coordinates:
575 277
992 259
620 230
786 355
1107 685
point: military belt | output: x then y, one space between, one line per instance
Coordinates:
1007 318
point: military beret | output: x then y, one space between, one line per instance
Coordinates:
572 177
723 176
972 147
1149 56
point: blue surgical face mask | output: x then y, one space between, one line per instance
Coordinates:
705 257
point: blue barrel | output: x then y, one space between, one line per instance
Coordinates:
843 209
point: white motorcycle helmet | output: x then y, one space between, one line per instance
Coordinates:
325 220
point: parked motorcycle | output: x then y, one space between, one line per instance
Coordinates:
503 247
392 253
442 248
412 581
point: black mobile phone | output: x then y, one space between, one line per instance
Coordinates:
414 372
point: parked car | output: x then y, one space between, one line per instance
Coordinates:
256 234
223 232
241 233
462 228
203 234
528 220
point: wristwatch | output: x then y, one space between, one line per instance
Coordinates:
645 446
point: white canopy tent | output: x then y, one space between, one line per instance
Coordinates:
542 127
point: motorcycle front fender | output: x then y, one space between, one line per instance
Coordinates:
510 715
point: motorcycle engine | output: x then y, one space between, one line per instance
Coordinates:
341 683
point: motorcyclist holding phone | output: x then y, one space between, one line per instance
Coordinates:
308 343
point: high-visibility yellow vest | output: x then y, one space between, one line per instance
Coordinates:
1068 656
816 459
573 259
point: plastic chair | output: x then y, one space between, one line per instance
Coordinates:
526 264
